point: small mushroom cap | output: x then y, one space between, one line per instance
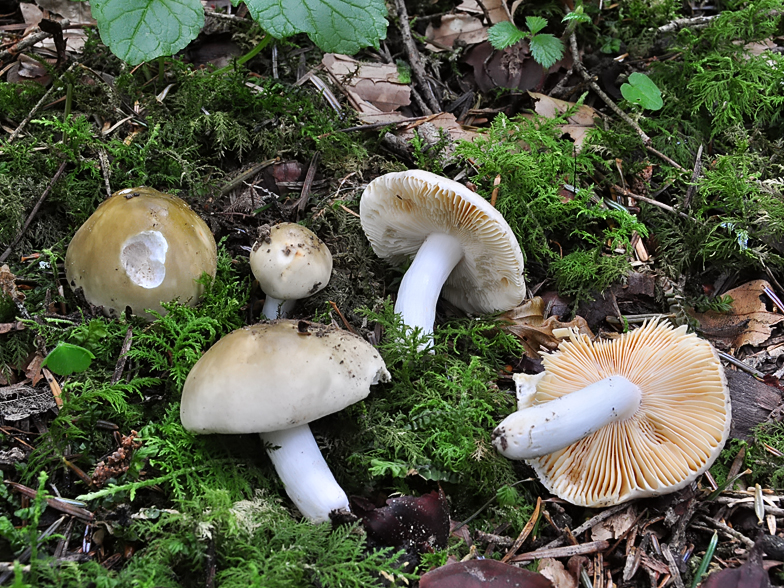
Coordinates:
278 375
140 248
677 433
290 262
399 210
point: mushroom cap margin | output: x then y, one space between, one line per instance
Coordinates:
399 210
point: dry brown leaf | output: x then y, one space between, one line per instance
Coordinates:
582 120
615 526
374 84
497 10
464 28
445 121
554 570
748 323
33 370
8 284
528 323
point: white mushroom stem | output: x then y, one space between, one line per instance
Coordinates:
308 480
545 428
275 308
422 283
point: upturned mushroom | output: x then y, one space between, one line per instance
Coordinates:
642 415
290 262
140 248
274 379
461 246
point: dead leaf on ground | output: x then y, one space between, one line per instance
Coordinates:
748 323
444 121
615 526
579 123
482 573
371 87
8 327
554 570
419 520
8 284
20 401
528 323
454 28
33 370
496 10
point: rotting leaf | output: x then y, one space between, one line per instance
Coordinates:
422 521
462 28
554 570
751 574
579 122
748 323
371 87
482 573
528 323
8 284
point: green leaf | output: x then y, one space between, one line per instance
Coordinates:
578 16
535 23
141 30
504 34
641 90
65 359
338 26
546 49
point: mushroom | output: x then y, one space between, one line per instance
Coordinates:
290 262
641 415
462 248
140 248
273 379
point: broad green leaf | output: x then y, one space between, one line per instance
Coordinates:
504 34
141 30
65 359
337 26
577 16
535 23
641 90
546 49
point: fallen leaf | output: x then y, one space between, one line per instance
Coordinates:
370 86
8 284
33 370
8 327
462 28
748 323
445 121
482 573
528 323
581 121
496 10
614 526
751 574
422 521
554 570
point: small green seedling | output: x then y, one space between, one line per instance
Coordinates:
66 359
545 48
641 90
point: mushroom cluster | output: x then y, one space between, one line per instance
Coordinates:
461 246
641 415
273 379
140 248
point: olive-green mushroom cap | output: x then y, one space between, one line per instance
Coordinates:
140 248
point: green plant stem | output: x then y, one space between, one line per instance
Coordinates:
247 57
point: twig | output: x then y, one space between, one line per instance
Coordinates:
343 318
414 58
739 364
529 526
237 180
694 177
120 365
593 521
38 105
673 565
652 202
33 212
726 529
302 201
379 125
567 551
30 41
697 22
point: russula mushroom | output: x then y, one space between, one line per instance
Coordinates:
461 246
140 248
274 379
641 415
290 262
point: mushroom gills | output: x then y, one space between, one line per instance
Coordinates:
306 476
545 428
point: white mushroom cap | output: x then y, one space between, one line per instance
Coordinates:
400 210
140 248
663 396
268 377
290 262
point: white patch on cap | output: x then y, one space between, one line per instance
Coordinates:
143 257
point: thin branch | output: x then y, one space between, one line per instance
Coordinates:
414 58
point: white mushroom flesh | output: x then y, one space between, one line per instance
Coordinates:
143 257
308 480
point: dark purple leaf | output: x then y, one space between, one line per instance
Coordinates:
482 573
